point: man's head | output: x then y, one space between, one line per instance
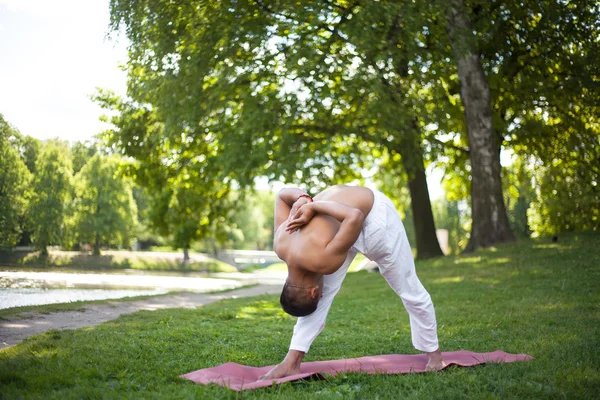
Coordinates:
301 301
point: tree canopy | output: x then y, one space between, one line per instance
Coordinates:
316 92
14 182
105 212
52 190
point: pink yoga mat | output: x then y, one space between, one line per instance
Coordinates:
241 377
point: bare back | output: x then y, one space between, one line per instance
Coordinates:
308 243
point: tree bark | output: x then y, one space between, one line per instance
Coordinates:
490 224
97 245
420 202
186 255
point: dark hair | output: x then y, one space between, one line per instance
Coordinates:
298 305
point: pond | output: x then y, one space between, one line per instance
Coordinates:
51 286
19 297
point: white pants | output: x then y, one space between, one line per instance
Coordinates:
383 240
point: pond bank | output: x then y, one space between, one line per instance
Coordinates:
116 259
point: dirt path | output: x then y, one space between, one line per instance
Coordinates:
13 330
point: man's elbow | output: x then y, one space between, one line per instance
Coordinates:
281 193
357 216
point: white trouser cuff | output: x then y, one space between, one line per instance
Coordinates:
303 349
428 349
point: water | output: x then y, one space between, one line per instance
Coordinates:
51 286
18 297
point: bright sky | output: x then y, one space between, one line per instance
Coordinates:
54 54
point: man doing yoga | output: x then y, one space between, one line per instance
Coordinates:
318 239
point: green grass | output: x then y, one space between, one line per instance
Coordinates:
533 297
114 260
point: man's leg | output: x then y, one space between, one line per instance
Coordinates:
398 268
308 328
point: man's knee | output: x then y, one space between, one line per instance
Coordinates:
418 302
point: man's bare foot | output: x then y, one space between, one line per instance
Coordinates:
435 361
280 371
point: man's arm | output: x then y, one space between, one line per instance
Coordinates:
352 221
284 201
308 328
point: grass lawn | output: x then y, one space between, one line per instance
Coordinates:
533 297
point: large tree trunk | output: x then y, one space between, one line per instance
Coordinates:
412 160
490 223
186 255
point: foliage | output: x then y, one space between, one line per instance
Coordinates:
253 219
309 89
81 152
518 194
395 186
186 200
52 190
539 58
448 214
29 148
14 183
567 199
105 212
314 92
453 216
146 238
540 61
533 297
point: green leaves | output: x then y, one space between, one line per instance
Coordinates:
53 187
105 212
14 183
312 92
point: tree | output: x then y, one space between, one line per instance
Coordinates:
320 87
105 212
519 192
567 199
29 148
253 220
450 215
52 187
539 61
188 196
248 54
81 152
490 222
14 181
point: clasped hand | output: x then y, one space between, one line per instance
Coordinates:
299 216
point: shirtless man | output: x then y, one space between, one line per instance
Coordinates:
318 239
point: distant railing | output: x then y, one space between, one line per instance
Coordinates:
244 258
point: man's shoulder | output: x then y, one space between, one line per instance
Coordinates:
313 256
280 247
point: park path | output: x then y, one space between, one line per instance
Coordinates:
14 329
